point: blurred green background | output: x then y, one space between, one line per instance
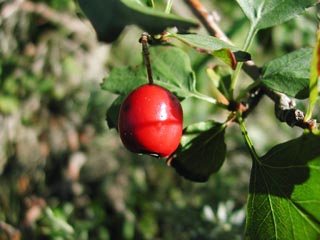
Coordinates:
65 175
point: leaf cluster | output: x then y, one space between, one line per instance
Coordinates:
283 180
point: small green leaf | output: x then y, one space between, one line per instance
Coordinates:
226 56
284 193
171 69
203 42
289 74
201 152
314 78
110 17
215 46
123 80
267 13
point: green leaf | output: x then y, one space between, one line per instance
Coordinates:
267 13
314 78
201 152
284 193
110 17
215 46
123 80
289 74
171 69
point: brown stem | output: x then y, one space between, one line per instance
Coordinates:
207 20
214 29
146 55
286 112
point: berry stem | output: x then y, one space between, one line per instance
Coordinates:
247 139
145 50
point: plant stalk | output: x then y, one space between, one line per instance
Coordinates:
247 139
249 39
201 96
146 55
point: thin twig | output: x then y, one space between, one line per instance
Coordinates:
207 20
214 29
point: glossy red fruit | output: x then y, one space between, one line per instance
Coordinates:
151 121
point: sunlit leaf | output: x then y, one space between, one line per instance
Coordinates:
267 13
289 74
284 194
215 46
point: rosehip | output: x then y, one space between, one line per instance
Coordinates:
151 121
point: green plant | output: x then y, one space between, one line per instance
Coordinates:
284 192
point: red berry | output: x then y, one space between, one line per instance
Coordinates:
151 121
